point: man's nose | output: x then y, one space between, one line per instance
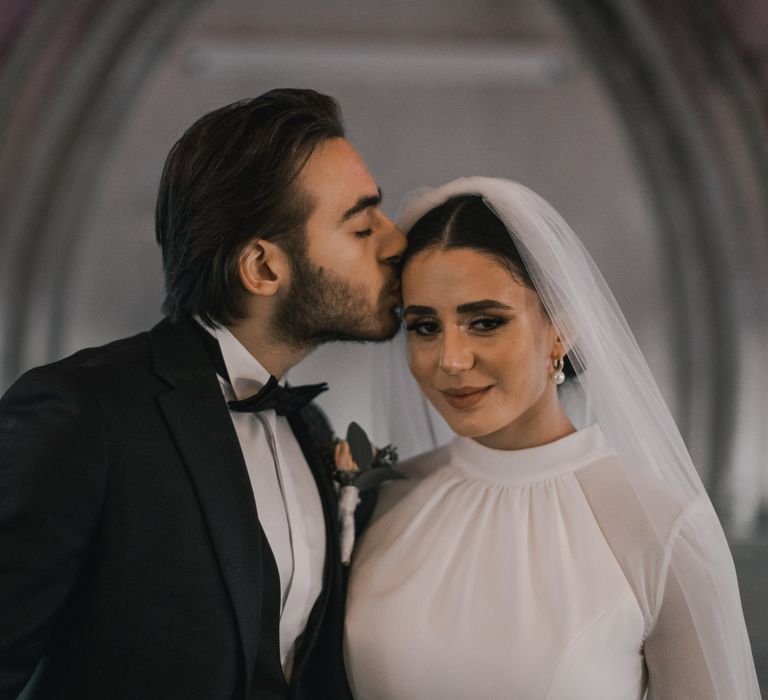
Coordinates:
394 244
456 353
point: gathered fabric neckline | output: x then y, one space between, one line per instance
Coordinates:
517 467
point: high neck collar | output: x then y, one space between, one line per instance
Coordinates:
531 464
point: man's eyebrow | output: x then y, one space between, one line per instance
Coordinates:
360 205
484 305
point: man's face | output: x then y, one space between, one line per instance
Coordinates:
344 283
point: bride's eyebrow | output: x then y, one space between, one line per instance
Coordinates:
473 307
419 310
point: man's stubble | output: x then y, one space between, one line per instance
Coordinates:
321 307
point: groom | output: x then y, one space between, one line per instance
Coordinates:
167 529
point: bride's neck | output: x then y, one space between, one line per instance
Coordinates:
538 426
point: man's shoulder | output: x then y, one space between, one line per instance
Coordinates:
92 370
132 350
125 356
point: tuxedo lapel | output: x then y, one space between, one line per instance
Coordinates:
199 421
314 437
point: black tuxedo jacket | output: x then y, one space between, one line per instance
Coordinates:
132 561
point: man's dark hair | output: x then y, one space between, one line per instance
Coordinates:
230 178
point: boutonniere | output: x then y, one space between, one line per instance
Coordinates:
358 466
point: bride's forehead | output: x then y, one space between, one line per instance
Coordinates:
447 279
457 268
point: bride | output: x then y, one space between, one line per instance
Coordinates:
561 545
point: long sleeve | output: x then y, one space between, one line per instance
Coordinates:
52 482
698 647
677 562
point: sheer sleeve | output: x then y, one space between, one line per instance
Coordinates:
679 567
698 646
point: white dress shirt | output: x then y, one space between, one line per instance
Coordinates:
287 501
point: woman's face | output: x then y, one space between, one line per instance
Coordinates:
481 347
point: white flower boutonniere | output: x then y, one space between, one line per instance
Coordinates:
358 467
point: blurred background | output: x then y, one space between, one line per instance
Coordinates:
643 121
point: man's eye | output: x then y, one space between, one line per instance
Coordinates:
422 327
364 234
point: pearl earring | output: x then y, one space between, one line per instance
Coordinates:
557 376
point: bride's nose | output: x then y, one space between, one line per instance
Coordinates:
456 353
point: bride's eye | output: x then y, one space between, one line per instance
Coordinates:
489 323
424 327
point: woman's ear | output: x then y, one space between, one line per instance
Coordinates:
263 267
559 348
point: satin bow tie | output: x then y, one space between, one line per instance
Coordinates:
283 399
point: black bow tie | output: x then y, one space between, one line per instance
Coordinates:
283 399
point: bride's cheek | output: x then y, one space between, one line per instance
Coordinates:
417 362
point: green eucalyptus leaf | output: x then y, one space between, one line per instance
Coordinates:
360 446
374 477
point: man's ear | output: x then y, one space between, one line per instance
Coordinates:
263 267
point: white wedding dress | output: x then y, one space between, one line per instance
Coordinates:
493 574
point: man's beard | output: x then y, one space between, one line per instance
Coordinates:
321 307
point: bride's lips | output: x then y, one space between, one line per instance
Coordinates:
465 397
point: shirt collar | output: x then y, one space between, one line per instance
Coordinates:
246 374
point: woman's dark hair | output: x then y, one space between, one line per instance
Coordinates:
230 178
466 221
